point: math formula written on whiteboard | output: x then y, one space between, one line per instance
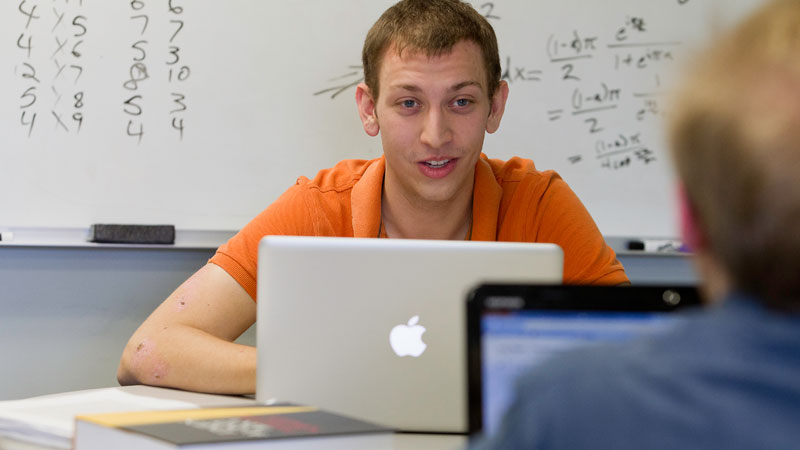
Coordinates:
592 99
54 61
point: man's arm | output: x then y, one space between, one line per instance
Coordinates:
187 342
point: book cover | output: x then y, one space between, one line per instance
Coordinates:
284 427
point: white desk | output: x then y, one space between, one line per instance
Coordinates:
429 442
402 441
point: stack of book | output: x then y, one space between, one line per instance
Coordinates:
49 421
249 427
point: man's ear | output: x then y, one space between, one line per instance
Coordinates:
498 107
693 237
366 109
715 283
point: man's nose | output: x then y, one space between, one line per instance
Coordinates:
436 131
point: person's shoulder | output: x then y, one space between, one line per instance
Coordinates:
521 179
341 177
516 169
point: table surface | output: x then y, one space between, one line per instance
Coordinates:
402 441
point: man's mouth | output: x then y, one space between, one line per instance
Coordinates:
438 168
437 164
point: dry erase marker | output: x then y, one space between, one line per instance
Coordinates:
662 245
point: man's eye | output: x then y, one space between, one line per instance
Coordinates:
409 103
462 102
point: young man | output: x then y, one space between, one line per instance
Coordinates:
432 90
730 377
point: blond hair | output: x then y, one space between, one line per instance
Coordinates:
735 136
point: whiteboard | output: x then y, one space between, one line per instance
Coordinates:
200 113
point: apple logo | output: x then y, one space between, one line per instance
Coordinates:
406 340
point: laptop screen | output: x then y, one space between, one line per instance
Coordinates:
517 330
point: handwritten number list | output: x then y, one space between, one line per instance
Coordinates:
55 40
138 78
178 73
50 64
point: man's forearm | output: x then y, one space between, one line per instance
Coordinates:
187 358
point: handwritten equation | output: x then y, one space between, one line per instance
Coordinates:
54 46
625 47
592 101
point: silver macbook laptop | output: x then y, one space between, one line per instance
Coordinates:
376 328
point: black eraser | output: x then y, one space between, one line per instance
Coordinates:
635 245
132 234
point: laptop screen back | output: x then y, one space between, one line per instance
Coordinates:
374 328
513 329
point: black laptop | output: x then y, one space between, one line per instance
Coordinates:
512 328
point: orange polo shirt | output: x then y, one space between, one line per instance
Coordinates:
512 201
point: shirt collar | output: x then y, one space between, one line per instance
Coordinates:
486 196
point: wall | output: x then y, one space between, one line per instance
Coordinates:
68 312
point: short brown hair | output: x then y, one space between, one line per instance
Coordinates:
432 27
735 136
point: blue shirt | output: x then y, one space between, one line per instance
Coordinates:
729 377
